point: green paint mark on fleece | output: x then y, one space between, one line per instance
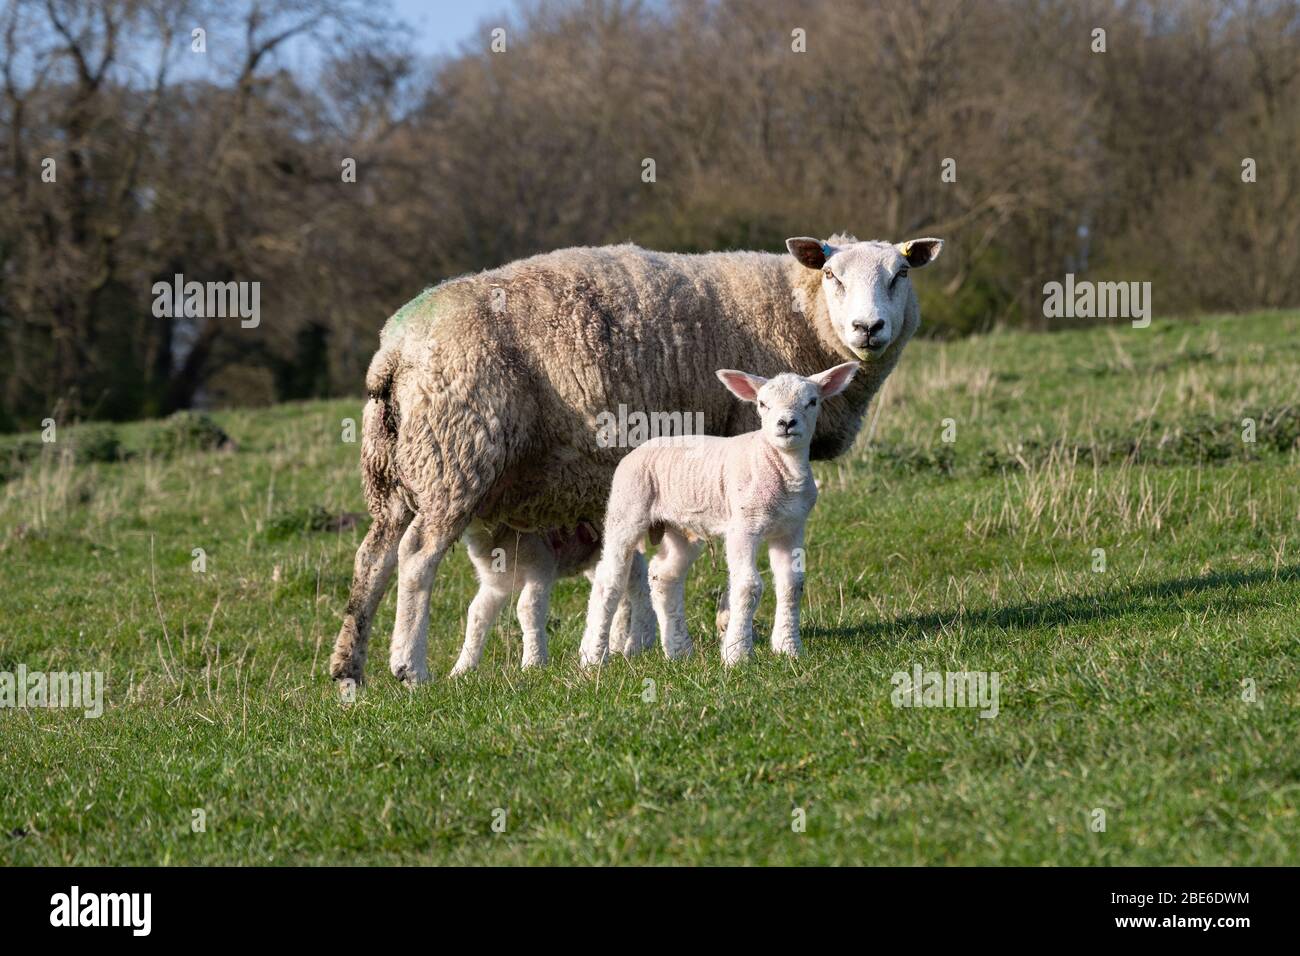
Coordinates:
412 308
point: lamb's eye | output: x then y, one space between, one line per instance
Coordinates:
813 403
762 406
902 274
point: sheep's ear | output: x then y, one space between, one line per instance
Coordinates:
835 380
920 252
811 252
741 384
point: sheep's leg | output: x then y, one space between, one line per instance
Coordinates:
633 630
418 556
371 572
786 555
607 587
746 587
668 572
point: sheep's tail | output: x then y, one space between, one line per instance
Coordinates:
379 433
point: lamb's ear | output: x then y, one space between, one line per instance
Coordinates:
920 252
835 380
811 252
741 384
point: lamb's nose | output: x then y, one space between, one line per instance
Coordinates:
785 424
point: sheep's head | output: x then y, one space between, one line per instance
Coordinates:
789 404
865 285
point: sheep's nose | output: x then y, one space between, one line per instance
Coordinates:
785 424
874 327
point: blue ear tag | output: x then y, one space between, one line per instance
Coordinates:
826 249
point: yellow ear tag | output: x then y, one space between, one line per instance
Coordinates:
907 250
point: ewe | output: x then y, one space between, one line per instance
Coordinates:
486 391
748 488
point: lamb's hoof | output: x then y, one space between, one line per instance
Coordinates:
533 662
733 654
460 668
591 650
409 675
786 650
627 650
679 650
640 640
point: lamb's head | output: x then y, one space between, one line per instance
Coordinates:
788 404
865 285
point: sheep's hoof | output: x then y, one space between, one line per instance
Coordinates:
532 662
411 676
347 667
460 669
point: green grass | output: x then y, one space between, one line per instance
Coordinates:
1121 690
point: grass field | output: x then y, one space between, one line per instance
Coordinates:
1126 690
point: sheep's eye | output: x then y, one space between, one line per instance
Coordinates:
763 405
902 274
813 403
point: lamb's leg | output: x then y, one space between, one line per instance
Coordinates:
607 587
494 567
371 572
668 572
633 630
746 587
483 611
534 600
642 618
786 556
418 556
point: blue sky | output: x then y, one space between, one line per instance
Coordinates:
440 25
437 27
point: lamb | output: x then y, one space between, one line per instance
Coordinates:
508 561
485 391
751 488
